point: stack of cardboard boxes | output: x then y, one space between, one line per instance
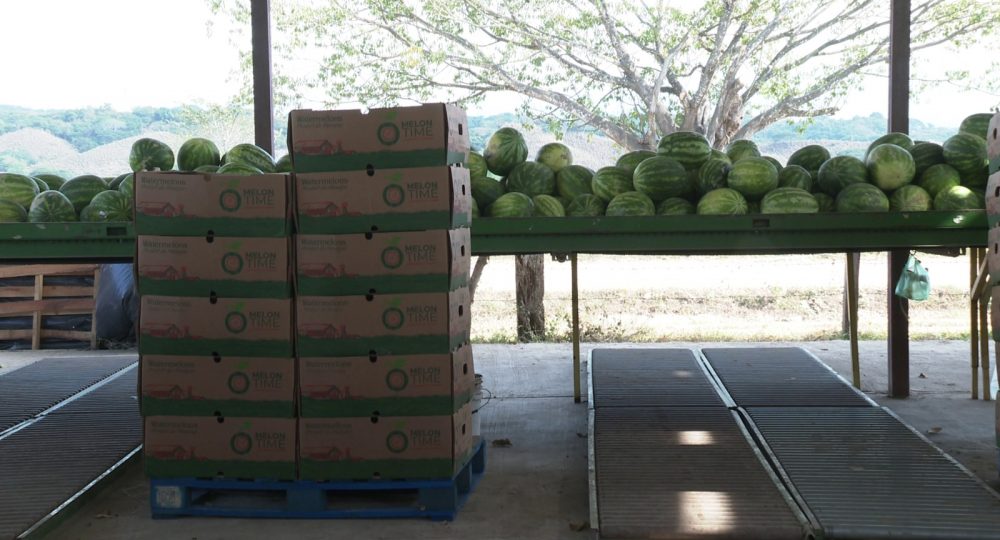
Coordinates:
382 305
217 369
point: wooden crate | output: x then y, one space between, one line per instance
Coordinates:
42 299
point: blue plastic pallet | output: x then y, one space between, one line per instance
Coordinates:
433 499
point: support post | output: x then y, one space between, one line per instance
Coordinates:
899 120
852 312
263 105
984 331
575 308
974 323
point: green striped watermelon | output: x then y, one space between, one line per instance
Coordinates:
901 140
966 153
722 201
713 174
632 160
474 210
281 165
149 155
719 154
630 203
117 181
250 155
795 176
938 178
82 189
112 206
976 124
486 190
777 164
239 169
688 148
890 166
127 187
789 200
753 177
958 198
208 169
660 178
50 207
510 205
477 166
862 198
925 154
197 152
910 198
555 156
42 186
54 181
547 206
504 150
825 202
839 172
17 188
532 178
586 205
574 180
611 181
675 206
742 148
810 157
11 212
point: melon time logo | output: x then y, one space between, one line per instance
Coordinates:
392 256
230 199
232 261
394 195
388 131
392 317
236 321
241 442
397 441
397 379
239 382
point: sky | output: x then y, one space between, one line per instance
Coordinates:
128 53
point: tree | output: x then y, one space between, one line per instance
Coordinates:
634 70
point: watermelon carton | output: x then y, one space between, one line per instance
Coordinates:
219 446
208 326
429 135
216 386
365 386
383 262
225 266
196 204
383 199
390 324
412 447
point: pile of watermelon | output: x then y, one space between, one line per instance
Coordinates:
685 175
46 198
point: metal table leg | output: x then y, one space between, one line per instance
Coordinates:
575 308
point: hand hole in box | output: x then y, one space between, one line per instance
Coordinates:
370 170
374 418
210 237
369 236
372 357
369 297
462 251
213 298
463 429
220 419
461 310
465 369
461 129
216 358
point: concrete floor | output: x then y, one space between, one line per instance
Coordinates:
537 487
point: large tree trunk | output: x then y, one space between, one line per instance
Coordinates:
529 272
477 273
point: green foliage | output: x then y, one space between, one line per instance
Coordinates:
90 127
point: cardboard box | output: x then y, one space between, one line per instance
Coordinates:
350 140
384 200
216 446
394 324
409 447
993 198
216 386
225 266
418 385
383 263
197 326
195 204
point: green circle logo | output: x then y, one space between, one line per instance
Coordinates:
236 322
392 257
238 383
388 134
392 318
393 195
230 200
397 380
397 442
232 263
241 443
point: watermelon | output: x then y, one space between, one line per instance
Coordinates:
660 178
753 177
688 148
723 201
532 178
910 198
504 150
719 154
742 148
555 156
587 205
966 153
839 172
713 174
958 198
249 154
477 165
611 181
825 202
795 176
42 186
632 160
209 169
197 152
976 124
18 189
890 167
809 157
631 203
547 206
862 197
901 140
938 178
574 180
127 187
789 200
11 212
474 210
149 155
282 165
82 189
117 181
486 190
511 204
108 206
926 154
674 206
239 169
777 164
51 206
54 181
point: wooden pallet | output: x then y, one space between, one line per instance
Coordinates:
42 299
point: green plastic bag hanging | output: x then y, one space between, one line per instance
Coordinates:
915 282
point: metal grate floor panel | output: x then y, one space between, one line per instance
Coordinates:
864 474
650 377
684 472
780 377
